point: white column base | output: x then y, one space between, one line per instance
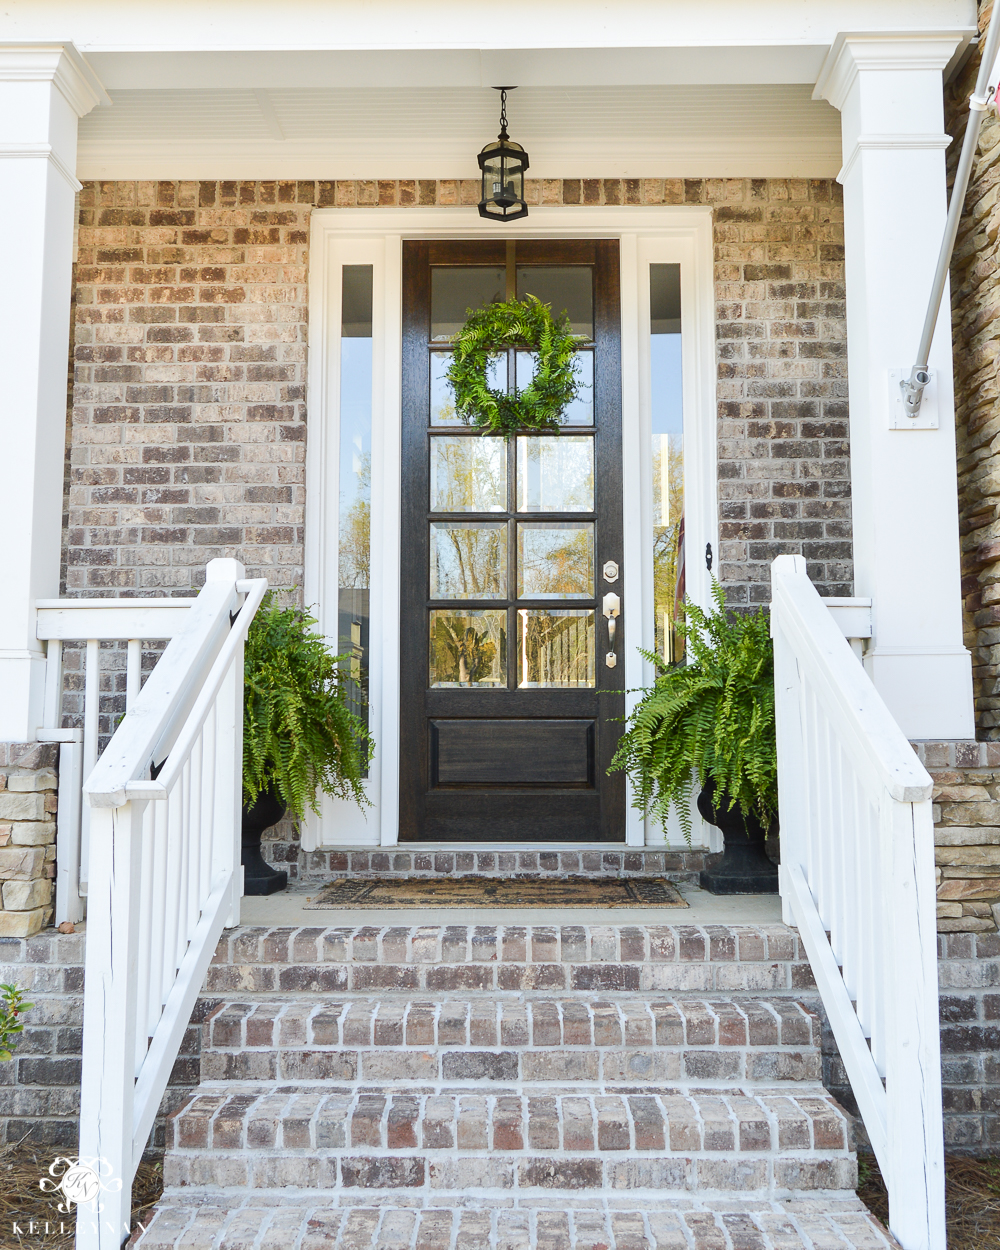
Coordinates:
22 680
928 691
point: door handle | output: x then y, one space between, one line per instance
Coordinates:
612 608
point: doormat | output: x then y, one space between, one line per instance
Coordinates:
391 893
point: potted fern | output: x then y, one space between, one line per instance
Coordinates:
300 737
712 718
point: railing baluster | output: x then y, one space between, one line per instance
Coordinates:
146 890
133 671
155 995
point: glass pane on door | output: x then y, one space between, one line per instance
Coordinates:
569 289
454 290
581 410
468 560
468 648
555 648
555 474
555 560
468 474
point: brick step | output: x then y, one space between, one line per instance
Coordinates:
448 1222
442 959
447 861
622 1039
655 1138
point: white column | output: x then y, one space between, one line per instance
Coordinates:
905 497
44 91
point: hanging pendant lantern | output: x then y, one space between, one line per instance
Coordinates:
503 164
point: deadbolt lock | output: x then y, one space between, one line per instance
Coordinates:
610 571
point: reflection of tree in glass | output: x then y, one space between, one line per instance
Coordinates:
551 567
469 475
666 538
468 561
465 654
355 530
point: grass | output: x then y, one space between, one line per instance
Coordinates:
972 1198
31 1220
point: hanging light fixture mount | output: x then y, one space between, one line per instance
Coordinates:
503 164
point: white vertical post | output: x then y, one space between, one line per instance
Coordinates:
44 90
91 737
913 1040
69 904
107 1084
788 730
888 88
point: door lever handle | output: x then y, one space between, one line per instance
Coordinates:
611 608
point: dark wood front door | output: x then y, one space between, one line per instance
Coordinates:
509 706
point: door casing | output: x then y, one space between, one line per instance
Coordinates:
681 234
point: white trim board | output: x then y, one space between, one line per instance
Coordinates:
679 234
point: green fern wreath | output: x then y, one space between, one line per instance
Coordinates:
526 325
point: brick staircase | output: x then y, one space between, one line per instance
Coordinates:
583 1087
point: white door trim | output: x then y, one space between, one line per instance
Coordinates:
375 236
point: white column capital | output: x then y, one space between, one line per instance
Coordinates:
854 52
57 63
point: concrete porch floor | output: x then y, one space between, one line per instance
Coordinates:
288 908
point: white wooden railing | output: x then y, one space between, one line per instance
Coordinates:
857 880
164 880
92 622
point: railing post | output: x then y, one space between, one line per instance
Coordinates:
69 902
788 731
226 835
913 1039
109 1021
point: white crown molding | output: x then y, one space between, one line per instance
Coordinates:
892 143
855 51
58 63
40 151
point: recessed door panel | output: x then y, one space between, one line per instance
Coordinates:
512 694
512 753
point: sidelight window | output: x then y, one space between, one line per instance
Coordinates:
667 458
353 615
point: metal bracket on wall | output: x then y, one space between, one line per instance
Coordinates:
927 414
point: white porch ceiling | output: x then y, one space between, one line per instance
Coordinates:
650 130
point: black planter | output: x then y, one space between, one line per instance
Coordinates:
744 867
258 875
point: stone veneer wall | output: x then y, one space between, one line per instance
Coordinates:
975 294
190 346
966 833
28 785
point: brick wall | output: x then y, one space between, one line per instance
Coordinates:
975 289
28 787
190 338
188 413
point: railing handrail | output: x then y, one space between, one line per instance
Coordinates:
879 747
254 589
165 700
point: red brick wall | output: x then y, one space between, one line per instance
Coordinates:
189 420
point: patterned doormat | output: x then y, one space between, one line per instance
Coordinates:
396 892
